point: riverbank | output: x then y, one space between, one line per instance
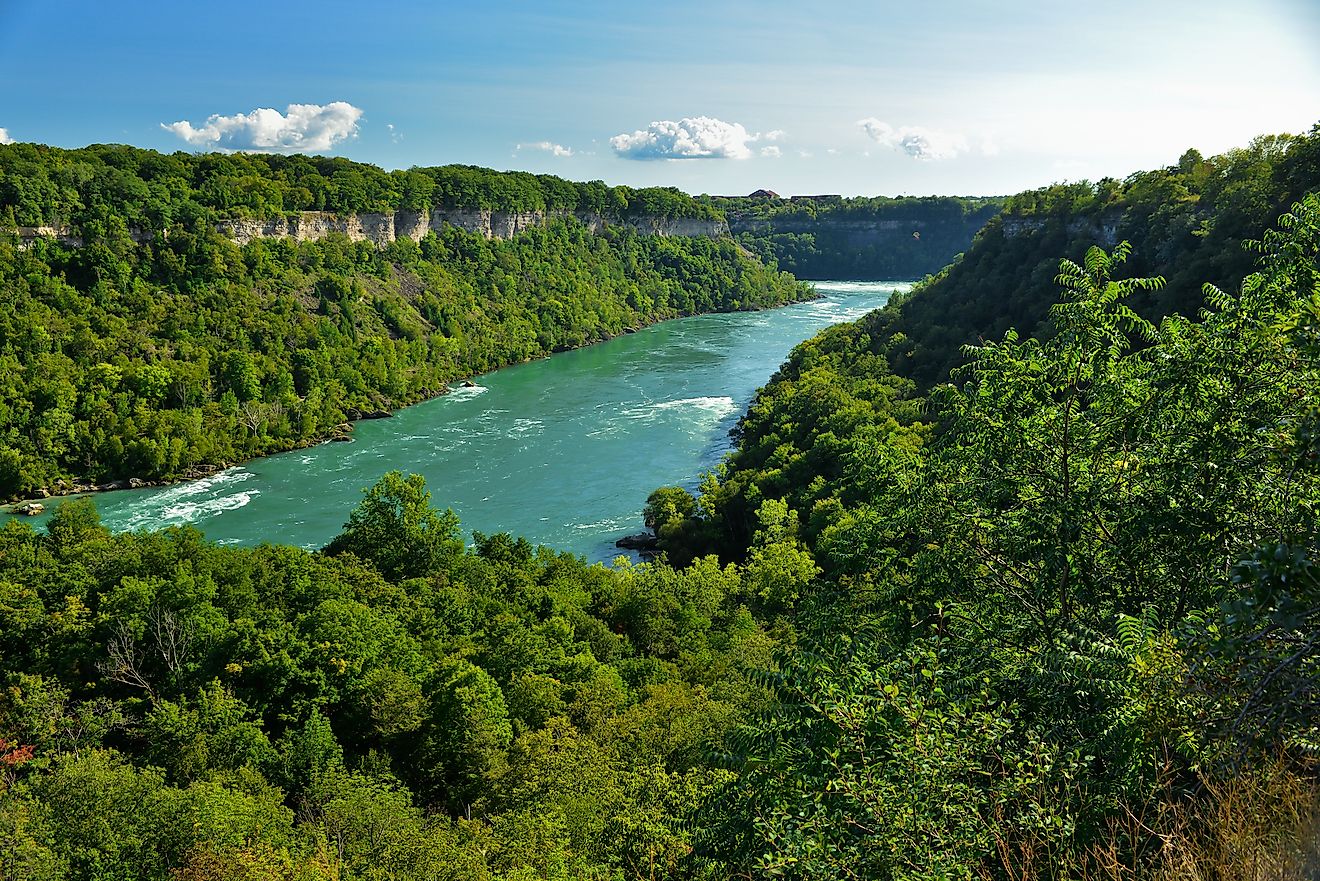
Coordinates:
562 451
342 432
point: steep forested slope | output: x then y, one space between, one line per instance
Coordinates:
1070 634
1073 588
1067 625
396 707
159 346
1186 222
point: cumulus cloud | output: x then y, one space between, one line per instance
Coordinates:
918 142
395 135
773 135
4 136
697 137
772 152
547 147
302 128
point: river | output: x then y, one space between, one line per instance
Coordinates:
563 451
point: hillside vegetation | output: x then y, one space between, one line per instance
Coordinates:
1057 619
1067 622
1186 222
42 185
120 359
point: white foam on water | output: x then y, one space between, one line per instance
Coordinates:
465 393
705 408
185 502
609 523
159 516
191 512
523 427
188 488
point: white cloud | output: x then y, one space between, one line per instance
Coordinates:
547 147
918 142
302 128
4 136
806 154
697 137
772 152
395 135
773 135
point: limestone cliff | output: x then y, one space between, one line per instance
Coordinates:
381 229
1101 229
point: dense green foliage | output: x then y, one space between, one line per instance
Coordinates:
105 184
858 238
1186 223
121 359
395 707
1090 592
1057 619
860 386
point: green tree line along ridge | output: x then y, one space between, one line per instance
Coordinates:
1056 618
124 358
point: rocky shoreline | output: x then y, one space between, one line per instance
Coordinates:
646 544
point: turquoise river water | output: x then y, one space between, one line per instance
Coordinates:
563 451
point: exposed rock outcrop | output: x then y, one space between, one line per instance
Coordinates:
858 232
381 229
65 235
642 541
1102 229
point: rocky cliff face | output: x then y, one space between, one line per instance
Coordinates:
381 229
1103 230
65 235
856 232
506 224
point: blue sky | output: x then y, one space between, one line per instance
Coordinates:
928 96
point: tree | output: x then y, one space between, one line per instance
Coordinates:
395 528
464 738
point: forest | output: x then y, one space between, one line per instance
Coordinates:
150 360
42 186
1053 613
1185 222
